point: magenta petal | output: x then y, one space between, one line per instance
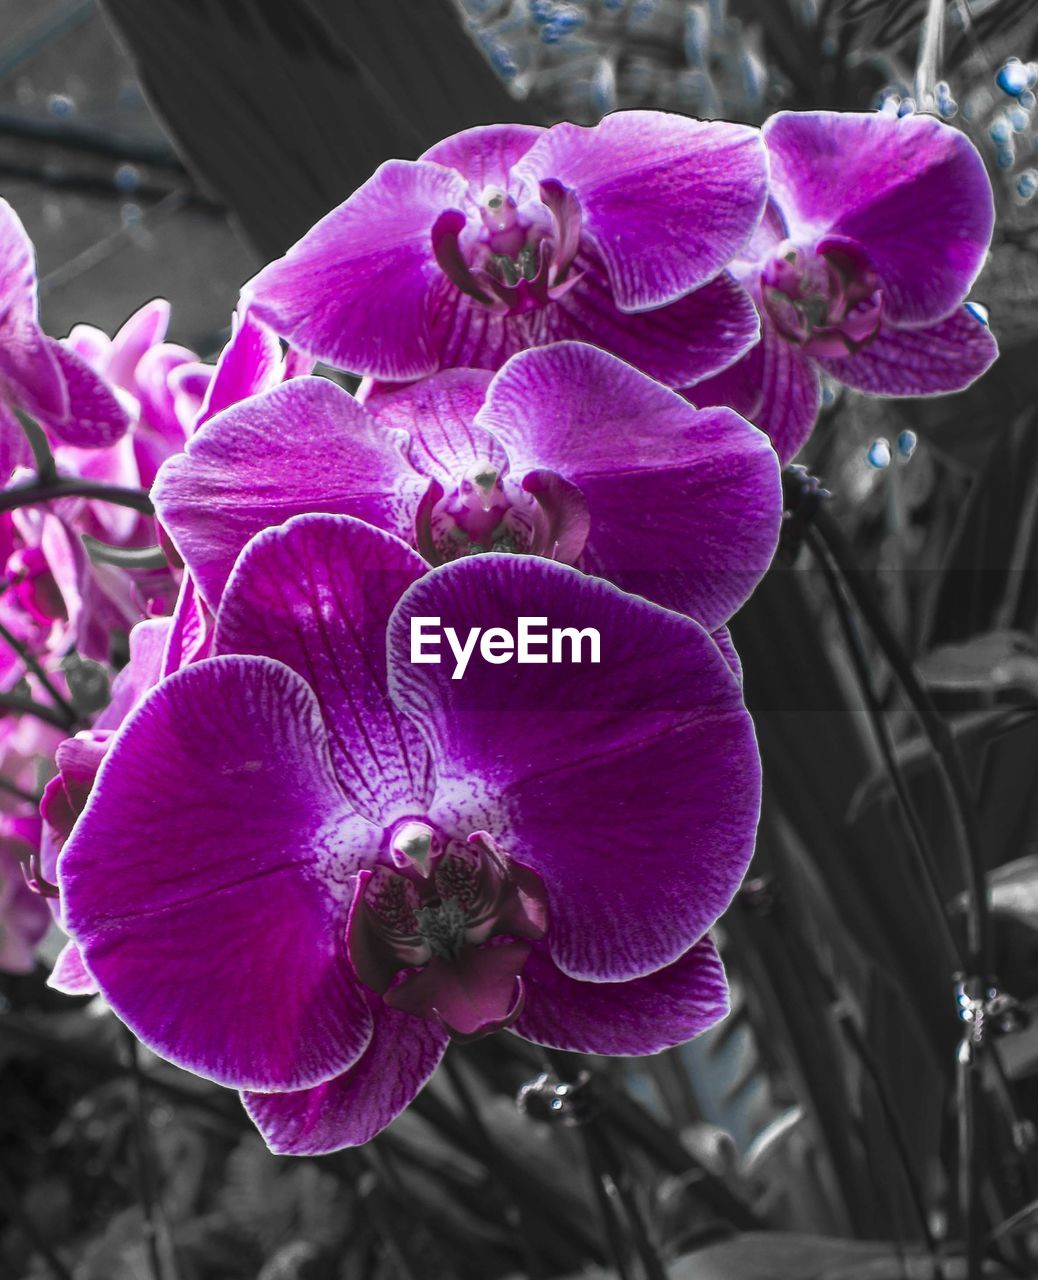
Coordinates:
305 446
775 386
644 1015
478 993
96 417
943 357
706 483
666 200
249 363
316 594
486 154
207 881
353 290
69 974
14 446
630 786
144 329
438 415
189 637
352 1108
677 344
148 641
27 362
912 191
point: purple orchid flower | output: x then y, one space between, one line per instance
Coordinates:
566 452
506 237
875 230
357 856
39 375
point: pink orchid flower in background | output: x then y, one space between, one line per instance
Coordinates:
875 231
27 747
506 237
39 375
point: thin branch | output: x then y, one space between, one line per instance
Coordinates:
25 495
30 707
39 671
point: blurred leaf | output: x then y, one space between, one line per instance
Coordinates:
283 107
989 580
991 662
1013 890
787 1256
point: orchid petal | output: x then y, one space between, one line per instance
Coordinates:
630 786
666 200
207 880
353 290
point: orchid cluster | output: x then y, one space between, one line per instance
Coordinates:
291 858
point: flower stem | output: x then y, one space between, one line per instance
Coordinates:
609 1179
36 667
938 734
881 731
25 495
30 707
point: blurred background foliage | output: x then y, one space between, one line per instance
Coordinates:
858 1115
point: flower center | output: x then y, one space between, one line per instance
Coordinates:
825 299
486 512
513 258
489 511
445 937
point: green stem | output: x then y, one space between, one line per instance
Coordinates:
46 468
938 734
30 707
881 731
30 660
25 495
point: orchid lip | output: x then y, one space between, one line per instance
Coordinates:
826 299
518 262
445 937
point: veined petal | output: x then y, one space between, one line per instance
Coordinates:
316 594
485 155
929 361
678 344
644 1015
438 414
775 386
630 786
353 290
666 200
207 880
96 417
912 191
685 506
250 363
305 446
403 1053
